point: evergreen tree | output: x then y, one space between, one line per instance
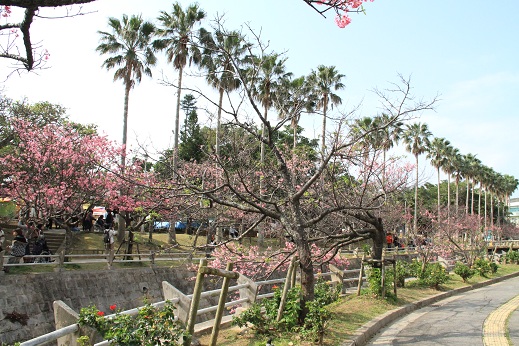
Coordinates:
191 137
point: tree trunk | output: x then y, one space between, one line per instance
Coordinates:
323 134
438 170
379 240
127 88
307 276
415 219
177 121
467 199
219 122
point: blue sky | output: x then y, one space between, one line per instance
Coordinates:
466 51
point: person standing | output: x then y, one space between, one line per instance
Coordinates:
2 239
88 220
109 221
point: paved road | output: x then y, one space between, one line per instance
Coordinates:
457 320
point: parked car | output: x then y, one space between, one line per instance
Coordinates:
161 226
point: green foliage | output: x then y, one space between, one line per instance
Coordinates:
494 267
464 271
404 270
512 256
433 275
429 274
366 248
482 267
7 210
262 316
191 136
150 327
374 276
314 325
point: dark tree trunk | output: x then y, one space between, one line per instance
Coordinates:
307 276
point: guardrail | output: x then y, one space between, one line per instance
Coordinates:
62 259
248 294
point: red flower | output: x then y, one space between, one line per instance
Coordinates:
100 313
113 307
275 287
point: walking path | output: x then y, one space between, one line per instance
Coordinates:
495 327
482 314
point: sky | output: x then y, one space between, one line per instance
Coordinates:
465 51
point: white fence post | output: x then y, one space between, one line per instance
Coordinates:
64 316
182 308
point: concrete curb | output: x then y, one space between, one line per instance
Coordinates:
366 332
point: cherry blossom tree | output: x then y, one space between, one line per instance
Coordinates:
331 202
55 169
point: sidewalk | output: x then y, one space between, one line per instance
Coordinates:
367 331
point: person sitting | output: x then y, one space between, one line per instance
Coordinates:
41 248
18 248
100 223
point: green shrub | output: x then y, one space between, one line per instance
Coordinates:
464 271
262 315
404 270
436 275
512 256
151 326
494 267
482 267
374 280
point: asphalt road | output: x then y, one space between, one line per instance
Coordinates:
457 320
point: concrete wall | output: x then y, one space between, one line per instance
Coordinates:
34 294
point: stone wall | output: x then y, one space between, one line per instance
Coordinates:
33 294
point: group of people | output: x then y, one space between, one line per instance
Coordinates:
28 239
101 223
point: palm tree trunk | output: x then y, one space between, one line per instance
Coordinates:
127 88
438 170
177 120
479 206
323 134
219 122
415 221
457 194
448 195
472 197
295 137
467 199
261 230
491 211
486 209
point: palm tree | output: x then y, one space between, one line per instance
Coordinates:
177 30
391 129
449 168
325 80
471 168
295 97
267 81
221 57
131 54
458 172
510 185
437 152
416 139
486 177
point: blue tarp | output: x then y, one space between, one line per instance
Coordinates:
161 225
180 225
